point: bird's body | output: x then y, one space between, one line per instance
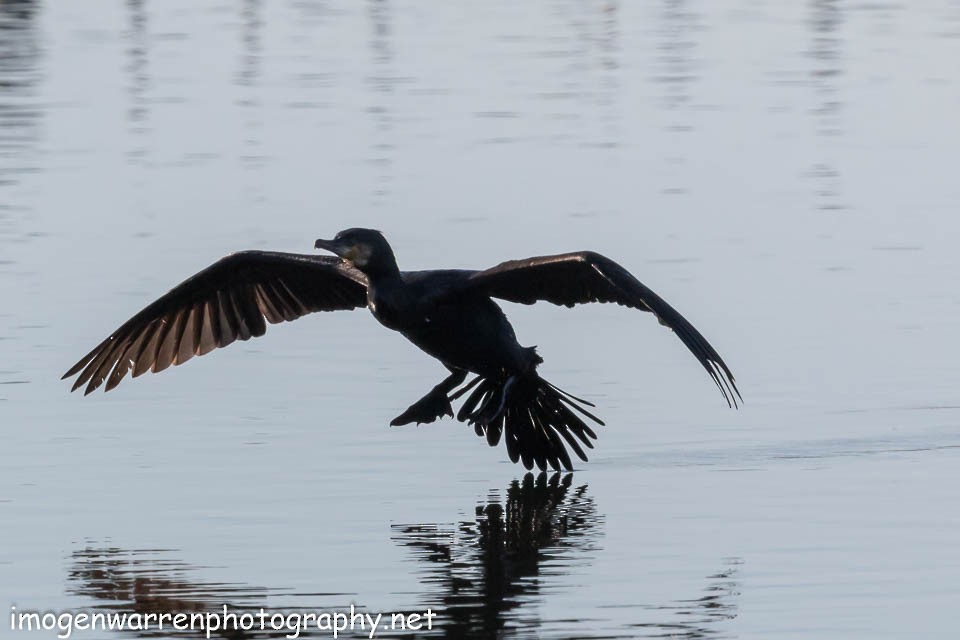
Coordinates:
469 332
450 314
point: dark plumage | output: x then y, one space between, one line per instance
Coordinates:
450 314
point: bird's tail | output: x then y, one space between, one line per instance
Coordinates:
533 417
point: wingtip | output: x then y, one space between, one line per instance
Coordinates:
739 397
725 381
734 391
93 386
75 369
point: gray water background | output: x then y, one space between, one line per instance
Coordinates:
784 173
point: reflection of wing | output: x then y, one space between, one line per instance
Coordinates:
149 581
117 582
225 302
576 278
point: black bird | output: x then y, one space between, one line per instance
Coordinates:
448 313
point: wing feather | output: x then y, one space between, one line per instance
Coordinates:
231 300
144 356
167 349
577 278
208 326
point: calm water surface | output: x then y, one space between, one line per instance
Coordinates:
784 173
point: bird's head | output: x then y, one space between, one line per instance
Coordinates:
365 249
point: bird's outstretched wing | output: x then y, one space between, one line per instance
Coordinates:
576 278
225 302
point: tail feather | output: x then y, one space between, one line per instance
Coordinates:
482 393
584 435
562 457
493 432
567 394
572 420
532 416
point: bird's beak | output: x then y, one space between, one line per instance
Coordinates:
328 245
344 251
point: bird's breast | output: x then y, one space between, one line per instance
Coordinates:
389 311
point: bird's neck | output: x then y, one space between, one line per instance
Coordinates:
384 275
381 269
385 291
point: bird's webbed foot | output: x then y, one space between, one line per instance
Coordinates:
429 408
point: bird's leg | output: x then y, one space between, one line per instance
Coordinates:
435 404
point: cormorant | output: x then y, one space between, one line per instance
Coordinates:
450 314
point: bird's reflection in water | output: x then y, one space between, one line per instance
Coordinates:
485 570
487 575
